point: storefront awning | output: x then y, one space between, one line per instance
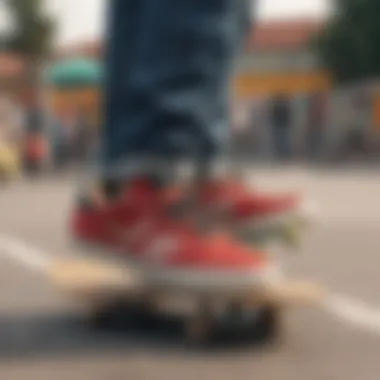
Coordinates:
75 73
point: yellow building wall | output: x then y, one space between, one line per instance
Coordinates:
249 84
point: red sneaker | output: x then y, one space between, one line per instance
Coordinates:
137 229
251 210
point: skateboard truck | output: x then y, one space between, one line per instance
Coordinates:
101 288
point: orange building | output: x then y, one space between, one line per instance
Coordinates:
279 58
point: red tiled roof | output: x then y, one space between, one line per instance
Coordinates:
283 34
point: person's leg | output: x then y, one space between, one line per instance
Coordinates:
121 40
277 141
314 142
283 142
167 98
167 85
288 139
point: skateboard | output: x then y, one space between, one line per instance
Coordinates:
100 289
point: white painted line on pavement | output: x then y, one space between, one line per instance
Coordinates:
353 312
23 253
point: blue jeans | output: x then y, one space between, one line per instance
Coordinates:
169 65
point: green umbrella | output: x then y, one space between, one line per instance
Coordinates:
75 73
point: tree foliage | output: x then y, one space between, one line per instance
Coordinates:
33 29
350 44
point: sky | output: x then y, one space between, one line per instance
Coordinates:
80 20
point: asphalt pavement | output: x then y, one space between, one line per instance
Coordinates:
43 337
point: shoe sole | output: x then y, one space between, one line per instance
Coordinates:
184 279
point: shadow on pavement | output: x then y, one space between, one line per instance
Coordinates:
51 335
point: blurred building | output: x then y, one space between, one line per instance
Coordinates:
87 49
12 71
280 58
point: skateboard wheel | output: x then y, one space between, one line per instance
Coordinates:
267 325
199 328
102 316
235 314
199 331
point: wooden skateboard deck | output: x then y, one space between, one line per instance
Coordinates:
101 288
90 280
